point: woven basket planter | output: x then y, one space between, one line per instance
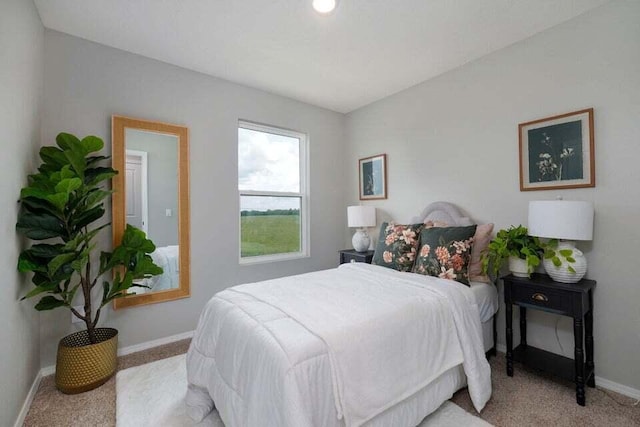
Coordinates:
82 366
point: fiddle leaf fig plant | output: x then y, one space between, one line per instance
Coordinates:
514 241
59 209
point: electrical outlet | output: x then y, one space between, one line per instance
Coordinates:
79 309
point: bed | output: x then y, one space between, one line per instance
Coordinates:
356 345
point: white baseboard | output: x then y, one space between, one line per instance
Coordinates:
618 388
22 415
154 343
600 382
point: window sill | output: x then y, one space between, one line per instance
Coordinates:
264 259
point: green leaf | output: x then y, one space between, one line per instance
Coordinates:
570 259
80 263
78 162
39 226
26 264
49 303
66 141
134 238
67 185
87 217
53 157
556 261
33 205
94 176
59 200
92 143
96 197
43 250
571 270
57 262
49 287
34 192
565 252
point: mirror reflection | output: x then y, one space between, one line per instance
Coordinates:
151 192
151 187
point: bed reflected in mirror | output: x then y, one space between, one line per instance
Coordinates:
151 193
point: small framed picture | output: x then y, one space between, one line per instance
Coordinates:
373 177
557 152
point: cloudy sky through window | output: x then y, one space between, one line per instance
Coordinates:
268 162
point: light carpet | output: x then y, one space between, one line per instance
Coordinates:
153 395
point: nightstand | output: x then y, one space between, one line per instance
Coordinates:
351 255
575 300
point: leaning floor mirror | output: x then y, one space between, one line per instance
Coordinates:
151 192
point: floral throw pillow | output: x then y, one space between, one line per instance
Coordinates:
445 252
397 246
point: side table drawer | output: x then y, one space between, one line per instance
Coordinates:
352 258
553 300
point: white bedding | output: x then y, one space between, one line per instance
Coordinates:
487 300
267 360
168 258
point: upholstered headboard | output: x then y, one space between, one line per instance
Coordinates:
444 212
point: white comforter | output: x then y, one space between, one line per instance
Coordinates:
386 336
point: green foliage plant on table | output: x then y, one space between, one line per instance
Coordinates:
59 209
513 241
551 252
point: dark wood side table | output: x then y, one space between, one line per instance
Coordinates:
351 255
575 300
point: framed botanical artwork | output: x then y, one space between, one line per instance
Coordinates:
373 177
557 152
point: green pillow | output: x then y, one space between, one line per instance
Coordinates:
445 252
397 246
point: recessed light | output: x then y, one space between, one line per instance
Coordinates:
324 6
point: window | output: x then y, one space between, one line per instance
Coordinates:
272 184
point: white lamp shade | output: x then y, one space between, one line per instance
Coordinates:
561 219
361 216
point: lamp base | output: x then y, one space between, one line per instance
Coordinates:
562 273
361 240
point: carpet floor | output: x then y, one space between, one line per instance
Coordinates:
527 399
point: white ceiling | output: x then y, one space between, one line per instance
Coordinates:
364 51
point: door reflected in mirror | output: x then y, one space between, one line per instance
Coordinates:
151 193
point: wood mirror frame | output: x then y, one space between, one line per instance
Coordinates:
119 125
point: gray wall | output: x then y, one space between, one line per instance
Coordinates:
85 83
21 48
455 138
162 190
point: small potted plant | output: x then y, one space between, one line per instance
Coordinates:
59 210
523 252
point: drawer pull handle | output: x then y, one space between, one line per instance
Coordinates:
540 297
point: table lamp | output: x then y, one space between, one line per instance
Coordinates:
361 217
568 221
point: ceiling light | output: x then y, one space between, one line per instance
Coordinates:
324 6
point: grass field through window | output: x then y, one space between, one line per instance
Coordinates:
269 234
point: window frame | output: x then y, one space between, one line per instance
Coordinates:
303 194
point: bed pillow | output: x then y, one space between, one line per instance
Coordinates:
445 252
397 246
480 244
